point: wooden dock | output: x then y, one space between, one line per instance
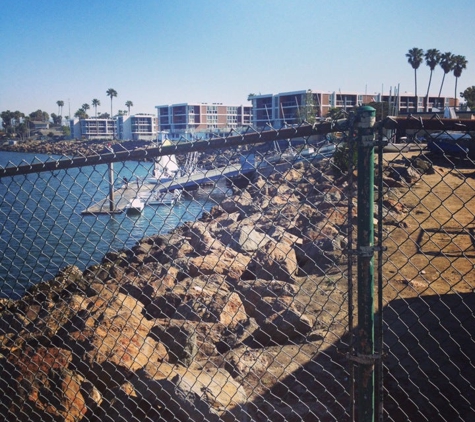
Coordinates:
200 178
124 195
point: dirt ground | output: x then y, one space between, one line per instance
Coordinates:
428 320
433 251
429 324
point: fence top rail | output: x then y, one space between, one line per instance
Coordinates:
246 138
428 123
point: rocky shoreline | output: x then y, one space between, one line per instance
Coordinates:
214 321
73 148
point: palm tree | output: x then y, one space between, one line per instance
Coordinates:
447 64
460 63
129 104
85 107
432 57
415 57
60 110
111 93
95 103
81 114
60 107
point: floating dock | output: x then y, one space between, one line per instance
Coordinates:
125 194
122 197
200 178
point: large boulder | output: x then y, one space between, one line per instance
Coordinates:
318 256
244 238
116 334
209 302
229 263
275 261
166 392
280 322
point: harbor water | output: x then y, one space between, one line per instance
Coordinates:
42 229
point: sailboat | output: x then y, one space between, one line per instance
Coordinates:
165 167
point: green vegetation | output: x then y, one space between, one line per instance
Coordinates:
66 131
345 157
95 103
60 104
129 104
81 114
336 113
415 58
469 96
111 93
447 61
307 112
432 57
447 64
460 63
39 116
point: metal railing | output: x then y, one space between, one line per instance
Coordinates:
250 293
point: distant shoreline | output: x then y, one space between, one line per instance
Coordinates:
70 148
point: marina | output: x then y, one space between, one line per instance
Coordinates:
48 208
142 189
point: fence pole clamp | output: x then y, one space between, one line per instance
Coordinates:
364 359
363 251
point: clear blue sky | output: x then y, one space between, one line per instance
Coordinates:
156 52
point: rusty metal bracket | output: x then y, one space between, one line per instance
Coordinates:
364 359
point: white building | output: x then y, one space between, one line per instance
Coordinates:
188 120
287 108
139 127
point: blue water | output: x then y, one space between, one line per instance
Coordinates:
42 229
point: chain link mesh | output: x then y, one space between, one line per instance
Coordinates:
233 298
428 213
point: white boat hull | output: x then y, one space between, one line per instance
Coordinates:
135 206
165 198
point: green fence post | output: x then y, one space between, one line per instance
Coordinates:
111 188
365 120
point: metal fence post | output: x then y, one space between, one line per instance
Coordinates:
365 119
111 188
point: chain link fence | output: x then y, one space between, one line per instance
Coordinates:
229 289
428 210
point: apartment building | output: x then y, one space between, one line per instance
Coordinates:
199 120
287 108
138 127
408 103
93 128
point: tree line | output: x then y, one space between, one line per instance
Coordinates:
433 58
16 123
81 113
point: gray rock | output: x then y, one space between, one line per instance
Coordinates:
244 238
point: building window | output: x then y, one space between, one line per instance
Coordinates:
211 109
212 119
